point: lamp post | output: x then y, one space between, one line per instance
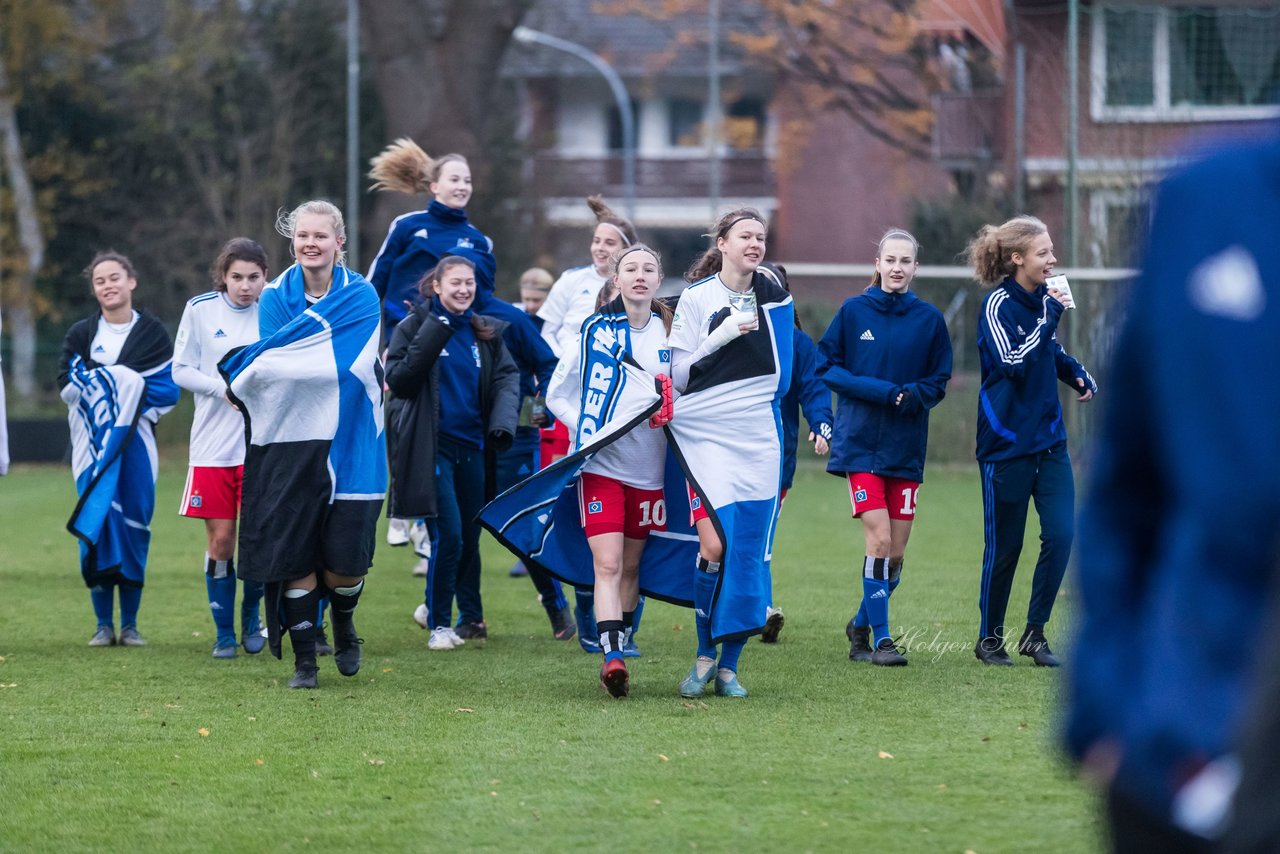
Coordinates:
525 35
353 133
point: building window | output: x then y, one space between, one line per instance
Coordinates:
744 124
684 123
1185 63
615 126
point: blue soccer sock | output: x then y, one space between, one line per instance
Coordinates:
584 600
250 604
130 599
729 653
220 583
104 602
634 623
704 588
875 595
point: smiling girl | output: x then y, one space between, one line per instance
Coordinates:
1022 441
212 325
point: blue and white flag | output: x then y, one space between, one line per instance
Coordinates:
115 466
311 395
727 432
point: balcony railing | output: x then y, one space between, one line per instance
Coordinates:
968 127
743 174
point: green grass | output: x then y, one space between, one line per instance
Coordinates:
513 745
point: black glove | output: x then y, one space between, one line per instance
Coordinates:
499 440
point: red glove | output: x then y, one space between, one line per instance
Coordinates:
667 409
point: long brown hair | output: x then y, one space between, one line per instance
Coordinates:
711 261
605 215
237 249
482 328
656 305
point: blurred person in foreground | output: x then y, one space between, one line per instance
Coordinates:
1179 531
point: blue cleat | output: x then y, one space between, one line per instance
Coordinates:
225 648
729 686
694 686
588 634
251 636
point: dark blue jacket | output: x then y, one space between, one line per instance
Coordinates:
1177 553
1018 409
878 345
533 356
415 244
806 391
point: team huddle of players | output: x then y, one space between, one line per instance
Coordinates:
418 385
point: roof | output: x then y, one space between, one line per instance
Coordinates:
983 18
635 45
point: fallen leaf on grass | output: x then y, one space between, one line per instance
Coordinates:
664 757
656 802
253 717
494 794
204 732
377 762
8 684
884 755
942 787
259 762
386 670
468 711
1 658
986 738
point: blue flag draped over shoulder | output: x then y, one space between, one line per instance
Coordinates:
727 432
115 466
538 519
311 394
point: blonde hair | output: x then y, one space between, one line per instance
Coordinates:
540 280
287 223
895 234
403 167
990 253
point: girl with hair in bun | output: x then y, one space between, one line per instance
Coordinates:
212 325
315 469
887 356
1022 441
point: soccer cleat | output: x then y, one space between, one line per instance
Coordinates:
304 678
694 686
420 539
629 648
441 639
773 622
454 636
104 636
252 637
322 642
420 615
225 648
519 570
588 634
1034 646
468 631
129 637
859 642
420 568
614 677
727 684
398 532
887 655
347 654
992 651
562 627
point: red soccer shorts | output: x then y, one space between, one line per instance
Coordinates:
872 492
212 492
608 506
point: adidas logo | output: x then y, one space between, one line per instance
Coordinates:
219 334
422 232
1020 332
879 594
99 349
867 336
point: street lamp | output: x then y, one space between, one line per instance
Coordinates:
526 35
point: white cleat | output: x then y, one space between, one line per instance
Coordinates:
398 532
440 639
420 569
420 539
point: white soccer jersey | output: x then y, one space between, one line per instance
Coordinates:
572 299
109 341
211 326
698 304
639 458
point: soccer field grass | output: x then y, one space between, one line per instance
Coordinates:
511 744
